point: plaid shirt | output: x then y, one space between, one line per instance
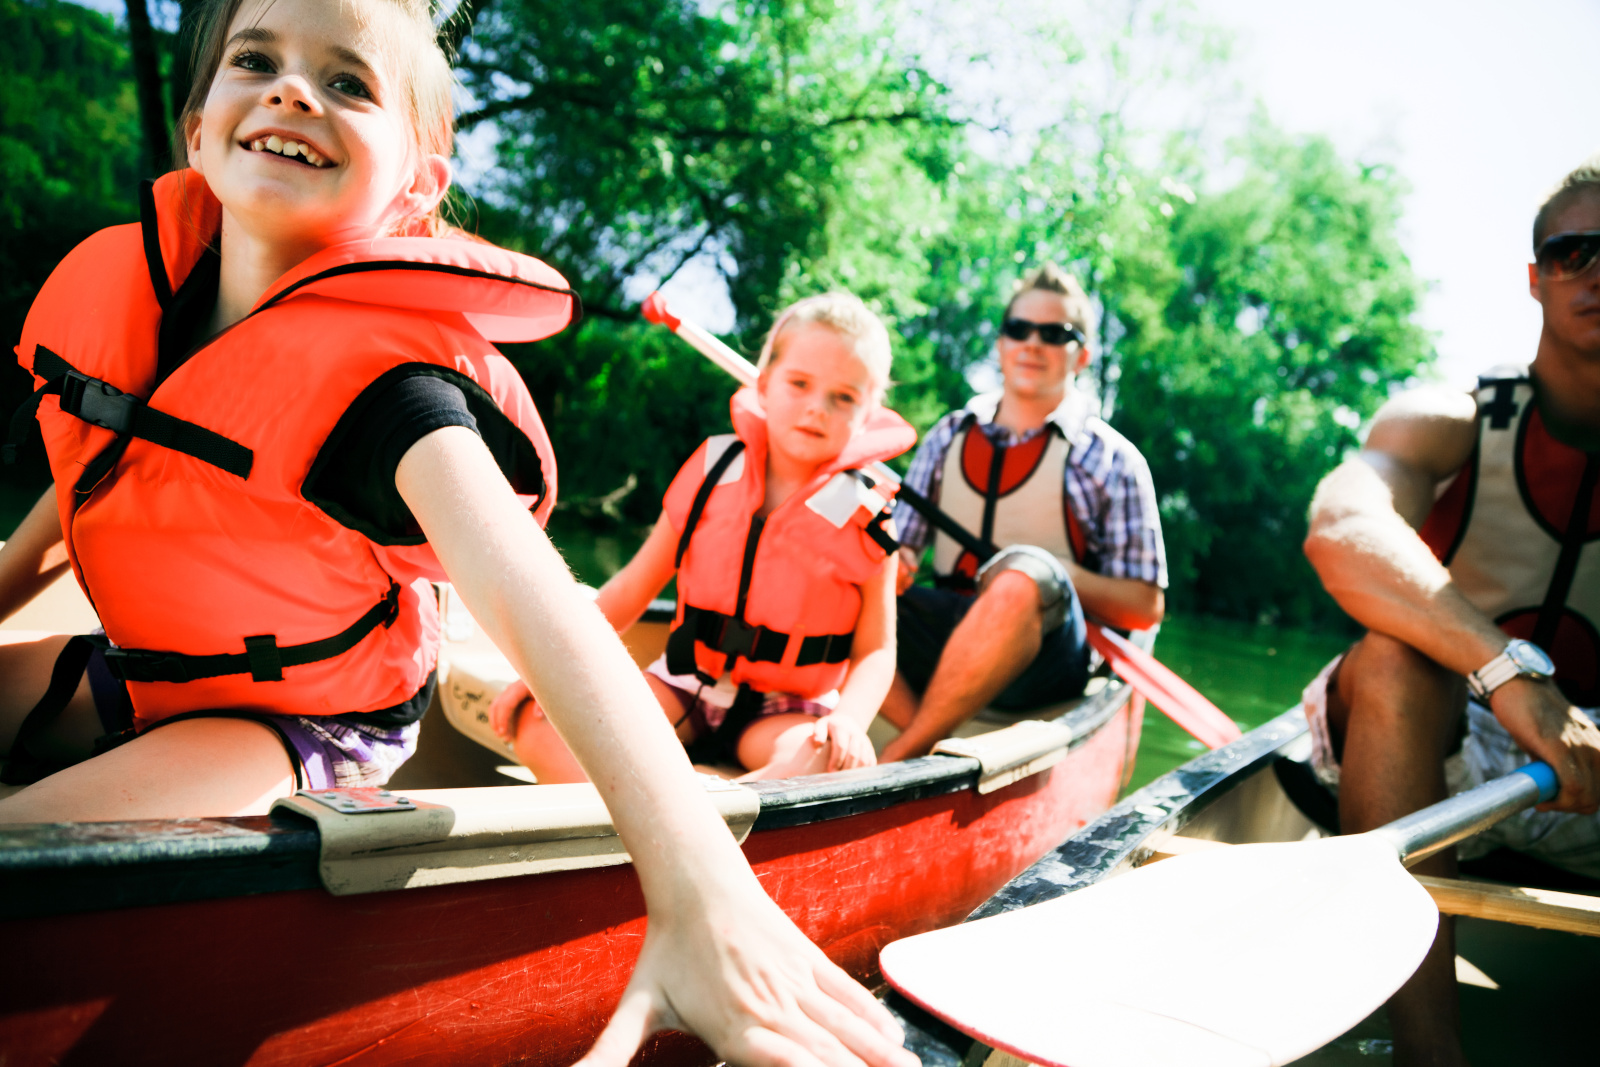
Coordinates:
1107 483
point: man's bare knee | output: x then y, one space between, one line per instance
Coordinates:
1384 678
1011 591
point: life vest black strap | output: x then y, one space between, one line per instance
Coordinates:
150 232
1503 407
878 530
22 421
734 637
1566 569
98 402
23 765
713 476
263 659
722 744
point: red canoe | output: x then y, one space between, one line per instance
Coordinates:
217 941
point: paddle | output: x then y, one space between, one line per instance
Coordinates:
1179 700
1250 955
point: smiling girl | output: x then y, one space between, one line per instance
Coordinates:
783 646
273 414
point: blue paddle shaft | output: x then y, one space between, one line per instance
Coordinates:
1433 829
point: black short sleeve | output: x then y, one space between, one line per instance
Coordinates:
352 478
355 470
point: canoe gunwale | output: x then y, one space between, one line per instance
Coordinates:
1120 838
64 868
817 797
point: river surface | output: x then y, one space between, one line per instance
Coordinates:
1253 673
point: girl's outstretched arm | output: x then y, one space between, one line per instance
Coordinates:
33 557
628 592
719 958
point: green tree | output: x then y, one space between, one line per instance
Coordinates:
1248 326
1245 371
69 137
789 141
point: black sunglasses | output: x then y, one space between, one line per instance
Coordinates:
1050 333
1567 255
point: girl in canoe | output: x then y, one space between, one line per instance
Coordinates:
272 415
783 647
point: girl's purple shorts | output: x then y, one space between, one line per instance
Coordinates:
327 751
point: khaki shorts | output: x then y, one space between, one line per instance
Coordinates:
1571 842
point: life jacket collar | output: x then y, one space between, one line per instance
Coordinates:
885 434
504 295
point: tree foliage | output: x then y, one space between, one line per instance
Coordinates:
1285 312
69 156
1256 306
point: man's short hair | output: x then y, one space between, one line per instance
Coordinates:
1584 180
1052 279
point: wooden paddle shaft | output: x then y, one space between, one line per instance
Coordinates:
1547 909
1433 829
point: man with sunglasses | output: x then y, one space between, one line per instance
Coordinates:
1033 469
1466 538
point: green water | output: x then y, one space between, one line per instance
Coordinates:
1253 673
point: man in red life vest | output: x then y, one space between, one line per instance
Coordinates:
1466 538
1035 470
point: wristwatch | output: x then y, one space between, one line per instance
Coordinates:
1520 659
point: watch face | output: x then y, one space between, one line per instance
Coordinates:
1530 658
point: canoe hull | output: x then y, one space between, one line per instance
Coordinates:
518 970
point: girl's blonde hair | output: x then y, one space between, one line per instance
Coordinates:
420 65
850 317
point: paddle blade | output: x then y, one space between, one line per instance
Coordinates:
1235 957
1174 696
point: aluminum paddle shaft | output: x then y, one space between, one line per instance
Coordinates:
1433 829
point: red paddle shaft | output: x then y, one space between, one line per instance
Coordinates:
1155 683
1181 702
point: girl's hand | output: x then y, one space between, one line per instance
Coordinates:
506 707
731 968
906 564
849 744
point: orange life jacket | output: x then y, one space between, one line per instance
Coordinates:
219 584
776 600
1519 529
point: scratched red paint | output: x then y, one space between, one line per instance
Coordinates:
521 970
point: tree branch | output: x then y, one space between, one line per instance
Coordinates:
147 83
546 94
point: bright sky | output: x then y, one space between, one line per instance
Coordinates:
1482 106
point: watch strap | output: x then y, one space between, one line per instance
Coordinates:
1491 676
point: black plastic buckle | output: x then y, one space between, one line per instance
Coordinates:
266 660
97 402
391 602
138 665
737 637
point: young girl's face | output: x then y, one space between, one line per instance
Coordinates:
817 393
305 137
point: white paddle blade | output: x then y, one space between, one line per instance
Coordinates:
1251 955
